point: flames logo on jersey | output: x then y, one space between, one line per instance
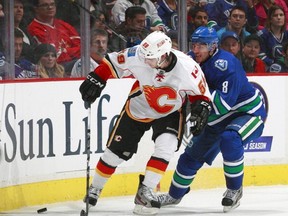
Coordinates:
154 94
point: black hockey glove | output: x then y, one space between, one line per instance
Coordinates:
200 111
92 87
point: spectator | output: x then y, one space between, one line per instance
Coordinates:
132 29
167 10
99 21
27 51
153 21
69 12
4 67
231 43
281 67
236 23
45 56
251 49
219 12
104 7
23 67
197 17
18 19
262 8
45 28
274 35
99 43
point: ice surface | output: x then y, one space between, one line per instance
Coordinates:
256 201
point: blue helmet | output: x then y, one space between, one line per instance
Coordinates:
205 35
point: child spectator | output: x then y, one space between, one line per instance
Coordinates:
45 28
45 56
251 49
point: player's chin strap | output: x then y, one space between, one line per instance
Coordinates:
159 64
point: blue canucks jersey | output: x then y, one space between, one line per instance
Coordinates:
168 16
231 91
271 50
219 12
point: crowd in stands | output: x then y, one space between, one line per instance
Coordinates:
48 43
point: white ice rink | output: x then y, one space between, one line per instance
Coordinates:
256 201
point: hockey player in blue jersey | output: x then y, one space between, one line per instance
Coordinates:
237 117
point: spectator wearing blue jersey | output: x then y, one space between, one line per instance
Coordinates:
281 67
24 68
167 11
274 35
219 12
237 117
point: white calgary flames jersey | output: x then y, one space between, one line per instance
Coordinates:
156 93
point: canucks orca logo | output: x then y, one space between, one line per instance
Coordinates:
277 51
221 64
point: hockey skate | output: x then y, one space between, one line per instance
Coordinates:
166 199
146 202
93 195
231 199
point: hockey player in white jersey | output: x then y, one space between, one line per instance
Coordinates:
164 79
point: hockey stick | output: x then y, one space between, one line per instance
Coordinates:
86 212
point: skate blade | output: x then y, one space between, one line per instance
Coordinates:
230 208
142 210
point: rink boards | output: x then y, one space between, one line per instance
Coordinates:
42 142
